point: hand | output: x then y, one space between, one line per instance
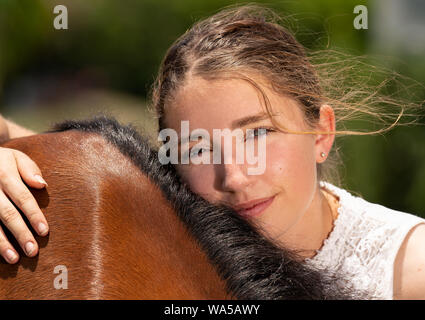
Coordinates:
15 164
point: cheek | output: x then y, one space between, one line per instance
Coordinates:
291 162
200 179
291 172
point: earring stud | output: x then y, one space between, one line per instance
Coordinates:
322 154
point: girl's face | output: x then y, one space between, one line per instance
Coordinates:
289 181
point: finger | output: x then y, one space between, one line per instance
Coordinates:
13 221
24 200
7 251
29 170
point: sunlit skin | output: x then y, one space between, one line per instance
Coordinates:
300 216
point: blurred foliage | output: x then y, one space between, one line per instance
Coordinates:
125 42
114 48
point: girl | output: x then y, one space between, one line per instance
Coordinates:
241 69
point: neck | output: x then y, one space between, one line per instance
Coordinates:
310 232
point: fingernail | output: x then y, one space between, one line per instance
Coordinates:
10 255
40 179
29 247
42 228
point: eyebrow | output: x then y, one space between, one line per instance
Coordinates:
249 119
244 121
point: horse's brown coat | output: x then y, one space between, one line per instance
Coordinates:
109 225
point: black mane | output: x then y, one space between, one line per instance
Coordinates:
252 265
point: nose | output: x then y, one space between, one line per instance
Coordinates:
233 177
231 171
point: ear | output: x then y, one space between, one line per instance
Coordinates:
324 141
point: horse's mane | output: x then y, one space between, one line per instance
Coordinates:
252 265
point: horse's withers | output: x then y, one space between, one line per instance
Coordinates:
112 233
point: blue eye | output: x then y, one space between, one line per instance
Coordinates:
256 132
196 151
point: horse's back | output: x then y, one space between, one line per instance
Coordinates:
112 234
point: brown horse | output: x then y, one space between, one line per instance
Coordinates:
122 226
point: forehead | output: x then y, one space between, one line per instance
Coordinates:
218 103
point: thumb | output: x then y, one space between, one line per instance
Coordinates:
29 170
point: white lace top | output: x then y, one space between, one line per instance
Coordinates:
363 243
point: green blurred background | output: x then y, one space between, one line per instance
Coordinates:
108 57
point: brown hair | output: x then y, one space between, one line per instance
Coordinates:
249 42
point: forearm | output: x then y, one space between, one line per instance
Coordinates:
10 130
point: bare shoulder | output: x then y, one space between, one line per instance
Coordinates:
409 266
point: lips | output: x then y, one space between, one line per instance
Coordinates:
253 208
